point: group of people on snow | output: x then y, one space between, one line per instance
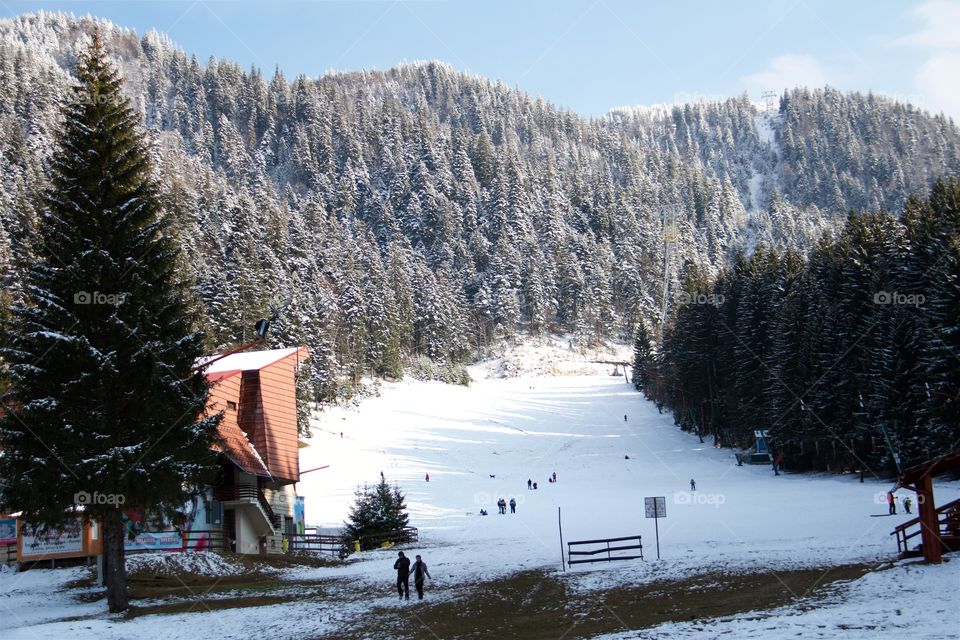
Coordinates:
532 484
892 503
502 502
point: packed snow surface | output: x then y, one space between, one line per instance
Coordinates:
610 449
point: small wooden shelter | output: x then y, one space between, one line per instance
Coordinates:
938 527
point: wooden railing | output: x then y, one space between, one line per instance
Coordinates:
401 536
316 543
204 539
604 546
948 524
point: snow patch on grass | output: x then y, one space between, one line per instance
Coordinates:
199 563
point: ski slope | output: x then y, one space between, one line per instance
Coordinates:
483 442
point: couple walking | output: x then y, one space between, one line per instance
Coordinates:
402 565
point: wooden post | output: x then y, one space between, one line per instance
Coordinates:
563 561
929 525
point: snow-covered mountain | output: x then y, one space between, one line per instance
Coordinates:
425 211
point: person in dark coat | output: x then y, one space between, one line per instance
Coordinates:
402 565
513 505
419 573
529 483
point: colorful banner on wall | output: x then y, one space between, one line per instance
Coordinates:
155 541
8 531
299 520
68 539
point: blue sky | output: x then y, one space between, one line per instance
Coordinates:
586 56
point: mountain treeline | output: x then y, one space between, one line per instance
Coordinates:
845 356
422 212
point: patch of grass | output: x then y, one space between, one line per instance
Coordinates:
198 605
533 605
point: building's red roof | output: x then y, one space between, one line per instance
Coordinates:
237 446
248 360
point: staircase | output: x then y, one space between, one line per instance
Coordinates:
251 496
948 524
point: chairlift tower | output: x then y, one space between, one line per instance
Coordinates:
769 99
670 235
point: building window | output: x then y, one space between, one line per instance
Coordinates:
232 406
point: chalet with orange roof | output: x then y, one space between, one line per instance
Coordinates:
255 493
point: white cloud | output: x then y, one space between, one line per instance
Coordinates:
939 37
786 71
940 20
936 80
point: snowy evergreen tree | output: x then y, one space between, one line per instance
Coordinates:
459 172
377 510
643 362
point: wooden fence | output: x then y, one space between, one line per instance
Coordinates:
608 546
316 543
401 536
205 540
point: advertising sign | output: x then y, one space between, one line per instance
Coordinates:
8 531
67 540
155 541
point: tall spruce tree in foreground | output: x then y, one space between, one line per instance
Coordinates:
105 404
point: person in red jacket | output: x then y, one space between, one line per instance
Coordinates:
892 503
